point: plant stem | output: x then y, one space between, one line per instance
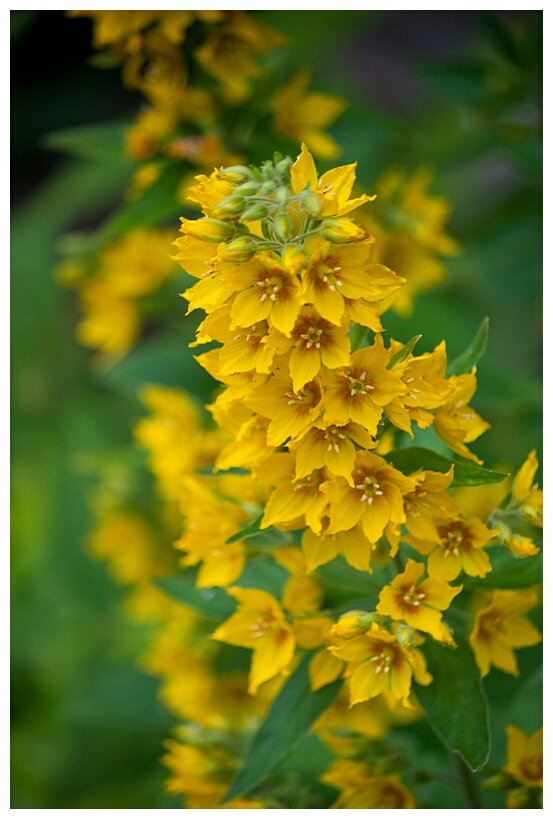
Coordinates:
468 783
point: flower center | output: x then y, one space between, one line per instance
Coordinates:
370 489
411 597
312 337
359 385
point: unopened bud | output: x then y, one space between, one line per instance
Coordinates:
211 230
282 196
283 166
240 250
235 174
352 624
310 203
229 208
267 188
248 188
341 230
404 635
254 213
268 171
283 225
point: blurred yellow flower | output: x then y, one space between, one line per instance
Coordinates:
302 116
500 627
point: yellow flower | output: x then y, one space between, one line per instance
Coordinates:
329 446
378 664
316 342
525 756
457 423
499 628
428 502
360 392
202 775
320 548
229 53
259 624
291 412
293 503
459 546
420 605
336 273
301 115
362 788
525 494
408 224
374 498
333 188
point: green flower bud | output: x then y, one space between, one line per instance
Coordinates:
283 167
310 203
229 208
240 250
254 213
267 188
404 635
248 188
498 782
283 225
282 196
235 174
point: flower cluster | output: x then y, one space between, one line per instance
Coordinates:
301 474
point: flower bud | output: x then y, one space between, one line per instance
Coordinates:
240 250
404 635
353 623
229 208
248 188
310 203
283 225
341 230
283 166
211 230
254 213
267 188
235 174
498 782
282 196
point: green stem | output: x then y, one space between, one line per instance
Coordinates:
468 783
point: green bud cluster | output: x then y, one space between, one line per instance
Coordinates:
264 194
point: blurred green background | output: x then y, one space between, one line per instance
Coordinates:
459 92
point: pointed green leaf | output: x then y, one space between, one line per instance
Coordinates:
253 530
509 572
213 603
403 352
410 459
474 352
454 703
291 715
92 141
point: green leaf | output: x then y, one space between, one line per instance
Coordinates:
410 459
454 703
157 204
474 352
509 572
214 603
291 715
403 353
91 141
253 530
